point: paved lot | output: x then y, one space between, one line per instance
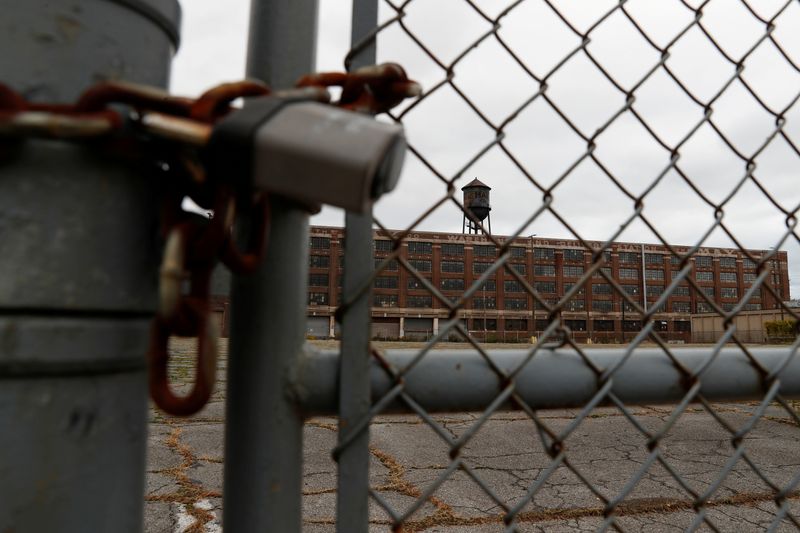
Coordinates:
185 470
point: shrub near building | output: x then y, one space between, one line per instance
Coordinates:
780 330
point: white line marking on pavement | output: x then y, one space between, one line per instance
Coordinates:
186 521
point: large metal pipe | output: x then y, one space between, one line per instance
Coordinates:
264 429
461 380
77 274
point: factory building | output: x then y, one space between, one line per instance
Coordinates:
501 309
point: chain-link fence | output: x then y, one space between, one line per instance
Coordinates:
635 133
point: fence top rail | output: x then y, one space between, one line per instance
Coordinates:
468 380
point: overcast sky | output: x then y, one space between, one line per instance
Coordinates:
450 134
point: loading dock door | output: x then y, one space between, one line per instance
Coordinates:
317 327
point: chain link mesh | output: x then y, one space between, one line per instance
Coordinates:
646 436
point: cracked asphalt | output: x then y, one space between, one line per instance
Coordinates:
185 462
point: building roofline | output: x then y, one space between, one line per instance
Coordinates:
417 234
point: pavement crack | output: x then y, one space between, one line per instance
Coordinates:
190 493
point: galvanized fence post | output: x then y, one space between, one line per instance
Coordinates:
354 382
78 275
263 438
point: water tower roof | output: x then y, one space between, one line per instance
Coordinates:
475 183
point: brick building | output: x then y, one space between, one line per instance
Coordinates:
501 309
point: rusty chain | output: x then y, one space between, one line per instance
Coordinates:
172 130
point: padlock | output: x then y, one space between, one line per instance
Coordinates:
307 151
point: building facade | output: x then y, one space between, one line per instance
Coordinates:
501 309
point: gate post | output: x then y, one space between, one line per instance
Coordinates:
264 426
78 275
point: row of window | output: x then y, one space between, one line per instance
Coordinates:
518 304
544 287
521 324
602 306
420 247
568 271
480 268
425 265
322 261
449 249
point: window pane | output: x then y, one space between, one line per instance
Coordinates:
321 243
318 280
603 306
415 284
654 274
383 245
680 290
452 284
512 286
603 325
483 251
480 268
597 273
655 290
385 300
452 266
452 249
601 288
386 282
702 260
391 266
516 303
319 261
545 286
628 257
318 298
488 302
681 307
516 324
418 301
420 247
729 292
517 251
422 265
571 271
575 304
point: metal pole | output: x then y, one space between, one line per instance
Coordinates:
352 499
644 281
461 380
77 275
533 284
264 428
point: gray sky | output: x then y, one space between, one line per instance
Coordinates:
449 133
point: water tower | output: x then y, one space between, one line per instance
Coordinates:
476 203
